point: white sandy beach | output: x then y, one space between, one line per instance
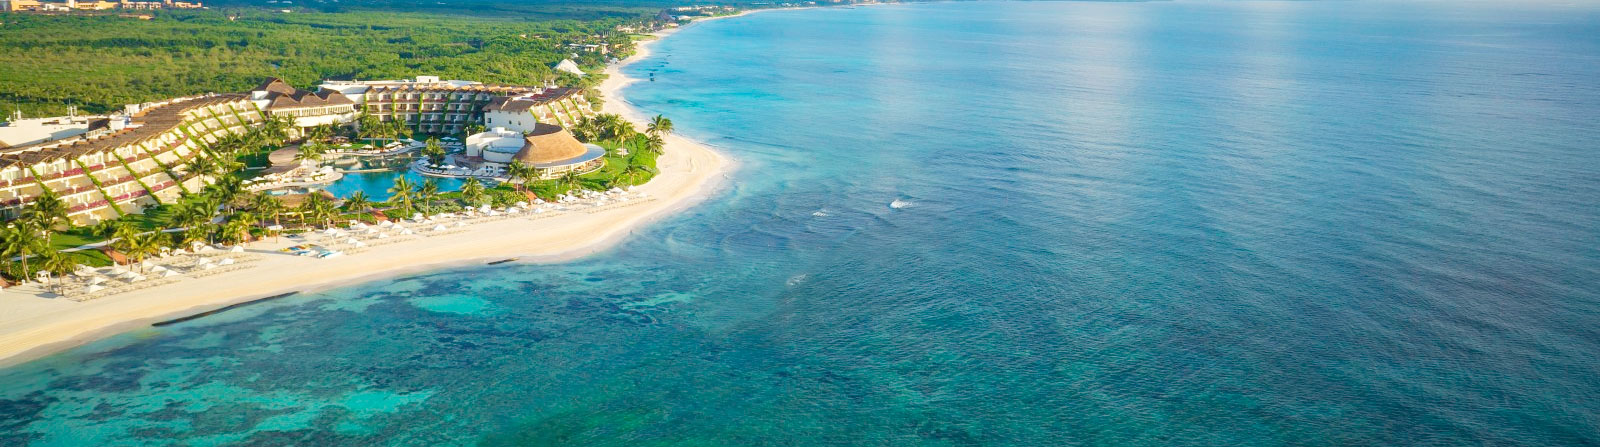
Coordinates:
33 323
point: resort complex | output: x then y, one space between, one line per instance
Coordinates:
103 167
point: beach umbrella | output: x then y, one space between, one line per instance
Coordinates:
461 223
170 273
158 269
94 288
359 244
237 249
352 241
438 228
407 231
97 279
226 261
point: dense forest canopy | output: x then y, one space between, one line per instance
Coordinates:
100 62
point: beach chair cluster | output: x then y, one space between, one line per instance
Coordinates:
171 267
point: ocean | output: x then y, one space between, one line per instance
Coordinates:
989 223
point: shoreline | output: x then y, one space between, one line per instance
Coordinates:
36 326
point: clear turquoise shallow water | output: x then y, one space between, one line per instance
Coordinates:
1251 223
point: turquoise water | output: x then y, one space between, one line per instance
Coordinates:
376 184
1176 223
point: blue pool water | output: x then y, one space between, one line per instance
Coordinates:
376 184
1171 223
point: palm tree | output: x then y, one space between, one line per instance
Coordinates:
659 125
434 152
309 151
266 205
654 144
46 211
518 170
237 229
143 246
205 166
108 229
318 133
586 130
192 235
572 179
319 208
226 190
368 126
276 129
634 170
402 190
472 191
121 236
20 239
234 231
59 265
612 126
428 191
357 202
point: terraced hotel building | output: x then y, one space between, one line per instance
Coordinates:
124 163
430 105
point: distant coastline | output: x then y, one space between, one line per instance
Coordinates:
35 325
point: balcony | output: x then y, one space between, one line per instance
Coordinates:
53 176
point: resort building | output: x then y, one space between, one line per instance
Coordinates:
560 106
431 105
136 160
308 109
547 147
25 131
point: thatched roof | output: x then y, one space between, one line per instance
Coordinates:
283 96
292 201
548 143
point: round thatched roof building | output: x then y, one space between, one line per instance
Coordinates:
548 143
547 147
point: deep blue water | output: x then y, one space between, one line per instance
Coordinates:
1190 223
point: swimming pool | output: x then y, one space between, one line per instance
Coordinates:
377 183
